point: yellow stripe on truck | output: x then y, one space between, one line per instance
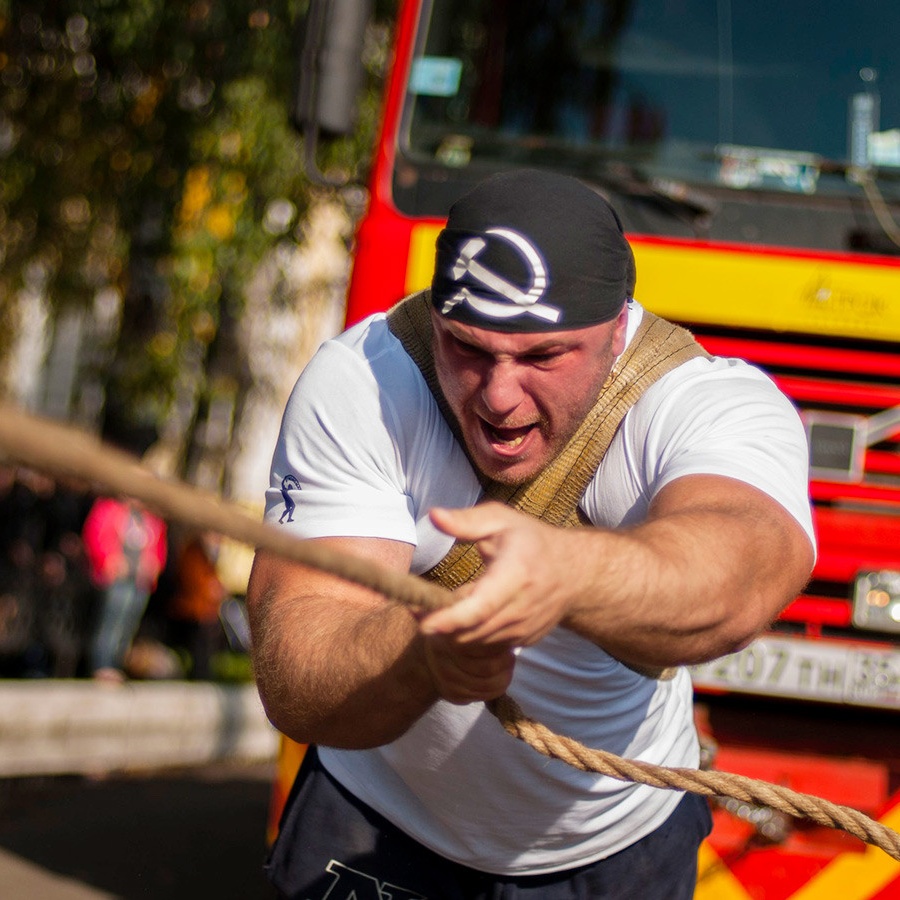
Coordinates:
742 288
715 880
849 876
420 265
855 876
811 294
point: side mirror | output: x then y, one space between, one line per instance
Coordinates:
330 74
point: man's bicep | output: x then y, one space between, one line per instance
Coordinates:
765 536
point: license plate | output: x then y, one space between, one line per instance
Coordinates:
809 670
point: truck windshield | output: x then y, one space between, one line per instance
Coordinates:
741 94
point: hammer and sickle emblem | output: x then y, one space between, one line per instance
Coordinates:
523 301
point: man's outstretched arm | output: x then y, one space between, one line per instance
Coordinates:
714 563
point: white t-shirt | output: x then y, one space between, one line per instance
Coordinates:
372 455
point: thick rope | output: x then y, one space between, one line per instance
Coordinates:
697 781
64 452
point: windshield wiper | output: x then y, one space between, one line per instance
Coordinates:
884 217
675 197
864 176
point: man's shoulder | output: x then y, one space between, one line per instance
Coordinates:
372 343
718 372
368 338
711 387
366 357
364 378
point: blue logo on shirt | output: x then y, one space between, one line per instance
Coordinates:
288 483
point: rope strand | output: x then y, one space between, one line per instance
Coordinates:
710 784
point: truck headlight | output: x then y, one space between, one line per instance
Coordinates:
876 601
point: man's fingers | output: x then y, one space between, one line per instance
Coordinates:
503 605
472 524
481 601
463 615
467 674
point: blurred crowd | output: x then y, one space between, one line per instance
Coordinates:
99 587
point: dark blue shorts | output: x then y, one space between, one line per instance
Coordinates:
333 846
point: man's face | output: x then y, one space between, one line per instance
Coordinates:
518 398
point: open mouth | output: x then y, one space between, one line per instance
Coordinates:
506 438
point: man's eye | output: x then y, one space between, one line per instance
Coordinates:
467 349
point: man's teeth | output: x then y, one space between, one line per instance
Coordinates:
508 437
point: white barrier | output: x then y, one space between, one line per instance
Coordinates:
52 727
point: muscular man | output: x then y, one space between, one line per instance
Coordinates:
687 537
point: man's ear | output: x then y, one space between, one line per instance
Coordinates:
618 340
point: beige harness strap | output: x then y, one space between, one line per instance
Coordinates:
554 494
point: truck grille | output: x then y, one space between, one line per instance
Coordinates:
848 393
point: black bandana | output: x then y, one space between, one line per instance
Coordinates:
532 251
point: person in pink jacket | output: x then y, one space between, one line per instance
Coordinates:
126 550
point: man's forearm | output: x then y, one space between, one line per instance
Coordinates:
354 681
335 663
667 613
690 587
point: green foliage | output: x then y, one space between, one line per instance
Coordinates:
233 668
145 145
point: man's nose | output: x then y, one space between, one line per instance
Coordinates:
502 390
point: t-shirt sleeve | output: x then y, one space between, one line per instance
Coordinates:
335 469
719 417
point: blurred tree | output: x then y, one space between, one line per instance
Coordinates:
146 155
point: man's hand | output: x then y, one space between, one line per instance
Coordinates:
467 672
521 596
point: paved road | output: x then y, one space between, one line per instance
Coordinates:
174 835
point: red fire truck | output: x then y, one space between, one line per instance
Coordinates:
753 152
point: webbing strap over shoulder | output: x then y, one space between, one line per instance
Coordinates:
554 494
